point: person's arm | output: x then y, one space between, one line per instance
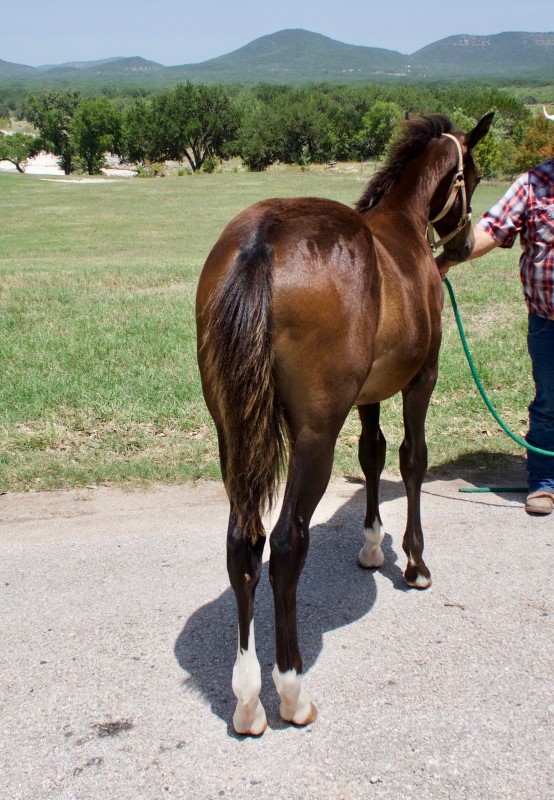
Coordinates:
483 244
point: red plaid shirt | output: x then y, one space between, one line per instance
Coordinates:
527 208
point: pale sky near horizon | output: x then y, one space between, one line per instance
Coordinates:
174 32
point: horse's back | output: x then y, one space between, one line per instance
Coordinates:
310 226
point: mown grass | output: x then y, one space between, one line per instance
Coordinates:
97 341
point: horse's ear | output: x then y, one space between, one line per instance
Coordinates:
480 130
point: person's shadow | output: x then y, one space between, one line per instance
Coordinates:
482 467
333 592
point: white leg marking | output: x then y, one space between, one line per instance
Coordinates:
296 705
249 716
371 555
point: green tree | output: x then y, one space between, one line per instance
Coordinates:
95 129
257 140
488 152
507 158
17 148
192 122
294 126
52 114
537 146
139 133
378 127
345 115
307 131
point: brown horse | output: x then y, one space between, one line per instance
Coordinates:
306 307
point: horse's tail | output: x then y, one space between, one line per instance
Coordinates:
240 359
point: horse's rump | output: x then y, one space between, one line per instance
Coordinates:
292 276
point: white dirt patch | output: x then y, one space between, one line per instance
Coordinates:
43 164
47 164
82 180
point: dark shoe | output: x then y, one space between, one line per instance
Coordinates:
540 503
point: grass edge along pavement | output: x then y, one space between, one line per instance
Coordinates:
97 335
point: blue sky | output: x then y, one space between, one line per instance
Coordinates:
181 32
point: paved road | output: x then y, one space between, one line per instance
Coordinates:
118 636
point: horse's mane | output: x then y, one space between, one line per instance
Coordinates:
416 135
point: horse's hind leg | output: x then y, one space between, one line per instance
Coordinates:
371 451
413 465
244 559
310 472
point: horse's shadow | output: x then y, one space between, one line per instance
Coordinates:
333 592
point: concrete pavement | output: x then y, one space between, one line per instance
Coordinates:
118 636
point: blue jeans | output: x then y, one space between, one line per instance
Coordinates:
540 342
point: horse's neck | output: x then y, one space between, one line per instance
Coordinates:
413 193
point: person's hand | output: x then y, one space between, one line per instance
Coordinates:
443 265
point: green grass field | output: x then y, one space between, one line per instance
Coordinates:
97 342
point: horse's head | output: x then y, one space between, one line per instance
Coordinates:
451 206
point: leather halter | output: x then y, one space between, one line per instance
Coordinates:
458 186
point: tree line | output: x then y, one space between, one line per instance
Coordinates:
200 125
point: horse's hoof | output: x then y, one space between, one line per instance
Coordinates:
417 576
247 723
301 723
371 559
253 733
371 556
418 581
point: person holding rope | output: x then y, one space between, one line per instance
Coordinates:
527 209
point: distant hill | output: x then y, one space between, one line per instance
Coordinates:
299 56
501 54
9 70
78 64
122 66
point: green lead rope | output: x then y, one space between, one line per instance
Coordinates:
488 403
479 385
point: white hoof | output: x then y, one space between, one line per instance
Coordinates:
249 719
301 717
371 556
296 705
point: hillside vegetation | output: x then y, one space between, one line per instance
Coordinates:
299 56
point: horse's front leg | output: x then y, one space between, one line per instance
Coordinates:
413 465
310 471
371 452
244 560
